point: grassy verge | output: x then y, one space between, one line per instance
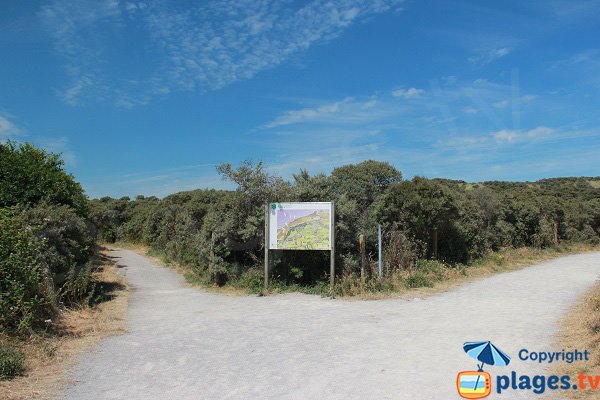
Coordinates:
580 330
428 277
47 357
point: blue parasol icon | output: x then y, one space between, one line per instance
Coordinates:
487 353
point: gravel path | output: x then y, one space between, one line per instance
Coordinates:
184 343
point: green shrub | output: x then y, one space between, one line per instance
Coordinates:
430 266
67 244
45 240
26 295
251 280
11 362
418 279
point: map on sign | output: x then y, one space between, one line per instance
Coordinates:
300 226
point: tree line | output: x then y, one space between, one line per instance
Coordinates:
49 229
218 234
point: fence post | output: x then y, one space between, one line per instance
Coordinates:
435 243
362 245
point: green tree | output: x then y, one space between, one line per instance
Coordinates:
364 181
29 175
418 207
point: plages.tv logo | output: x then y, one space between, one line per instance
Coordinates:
478 384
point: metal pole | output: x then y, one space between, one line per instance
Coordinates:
332 261
266 246
379 266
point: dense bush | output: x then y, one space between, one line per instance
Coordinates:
12 362
45 241
26 295
219 234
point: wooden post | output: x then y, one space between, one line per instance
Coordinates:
332 261
362 244
435 243
266 246
555 233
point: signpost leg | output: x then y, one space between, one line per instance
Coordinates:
379 265
363 257
332 261
266 246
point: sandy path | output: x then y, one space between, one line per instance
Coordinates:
184 343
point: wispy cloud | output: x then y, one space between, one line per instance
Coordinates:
507 138
161 182
501 104
348 111
58 145
487 56
458 124
8 130
75 27
410 93
584 64
306 114
199 47
514 136
321 150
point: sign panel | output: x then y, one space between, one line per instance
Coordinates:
300 226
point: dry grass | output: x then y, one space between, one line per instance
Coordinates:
449 278
49 358
595 183
580 330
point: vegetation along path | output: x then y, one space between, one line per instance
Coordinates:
184 343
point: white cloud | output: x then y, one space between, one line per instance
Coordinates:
203 46
512 136
487 56
8 130
492 141
501 104
58 145
346 112
410 93
72 94
162 182
585 64
73 25
369 104
306 114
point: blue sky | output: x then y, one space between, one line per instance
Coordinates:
146 97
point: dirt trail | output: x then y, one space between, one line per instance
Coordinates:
184 343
